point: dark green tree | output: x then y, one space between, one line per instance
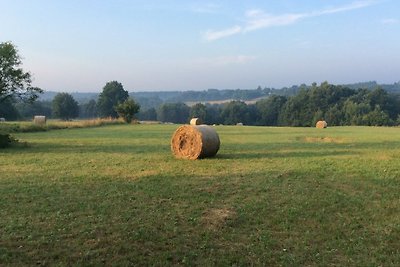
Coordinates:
199 110
148 115
173 112
235 112
213 114
269 109
296 111
27 109
65 107
88 109
113 94
14 81
127 109
8 110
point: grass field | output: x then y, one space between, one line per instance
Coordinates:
115 195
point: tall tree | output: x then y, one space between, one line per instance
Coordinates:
113 94
14 81
65 107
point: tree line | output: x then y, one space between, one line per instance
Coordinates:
338 105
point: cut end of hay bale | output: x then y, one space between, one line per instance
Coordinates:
39 120
195 142
321 124
196 121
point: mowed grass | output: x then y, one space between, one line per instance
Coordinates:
115 195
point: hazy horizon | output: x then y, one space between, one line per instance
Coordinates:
78 46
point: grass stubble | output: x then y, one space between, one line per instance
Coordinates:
115 195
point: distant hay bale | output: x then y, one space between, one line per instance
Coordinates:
39 120
321 124
195 121
239 124
195 142
2 119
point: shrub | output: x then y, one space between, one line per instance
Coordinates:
6 139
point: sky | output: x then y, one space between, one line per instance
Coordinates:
160 45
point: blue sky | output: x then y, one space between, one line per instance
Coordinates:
79 45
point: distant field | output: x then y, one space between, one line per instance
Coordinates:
115 195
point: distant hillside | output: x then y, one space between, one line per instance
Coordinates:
156 98
78 96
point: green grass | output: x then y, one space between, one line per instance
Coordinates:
115 195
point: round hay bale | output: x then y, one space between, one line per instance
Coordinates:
39 120
195 121
321 124
195 142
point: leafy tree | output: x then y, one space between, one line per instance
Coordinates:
199 111
127 109
14 81
377 117
88 110
213 114
148 115
235 112
173 112
65 107
113 94
335 115
296 111
269 109
27 110
8 110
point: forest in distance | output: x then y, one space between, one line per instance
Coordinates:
354 104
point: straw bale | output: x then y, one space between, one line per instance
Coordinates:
195 121
195 142
39 120
321 124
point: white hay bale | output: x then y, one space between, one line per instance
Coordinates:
39 120
239 124
196 121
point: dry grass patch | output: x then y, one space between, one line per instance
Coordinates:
325 140
215 219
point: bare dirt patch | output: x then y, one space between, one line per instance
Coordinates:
215 219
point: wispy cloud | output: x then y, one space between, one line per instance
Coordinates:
257 19
214 35
390 21
351 6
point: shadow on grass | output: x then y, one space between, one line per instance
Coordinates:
277 154
87 148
